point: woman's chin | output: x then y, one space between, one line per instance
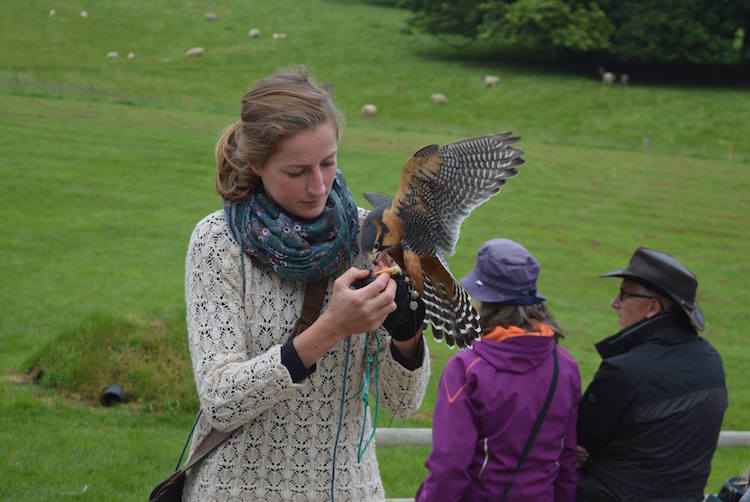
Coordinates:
309 211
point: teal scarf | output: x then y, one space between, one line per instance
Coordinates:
297 249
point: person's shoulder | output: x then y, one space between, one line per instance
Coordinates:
464 361
566 356
212 224
212 235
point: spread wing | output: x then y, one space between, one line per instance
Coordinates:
441 185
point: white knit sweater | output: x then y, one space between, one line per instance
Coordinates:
284 449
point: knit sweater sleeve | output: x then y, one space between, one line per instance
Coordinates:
233 387
401 390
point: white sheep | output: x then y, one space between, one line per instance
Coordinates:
491 80
278 36
369 110
439 99
112 55
51 12
624 79
608 77
254 33
131 55
210 16
84 14
195 52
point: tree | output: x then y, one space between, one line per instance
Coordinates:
683 31
680 31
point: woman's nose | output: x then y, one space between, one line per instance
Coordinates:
316 185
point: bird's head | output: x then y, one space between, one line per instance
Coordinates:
373 234
376 238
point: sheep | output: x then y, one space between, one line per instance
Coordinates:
491 80
131 55
51 12
624 79
439 99
278 36
608 78
369 110
254 33
112 55
210 16
84 14
195 52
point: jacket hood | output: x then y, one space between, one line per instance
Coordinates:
519 354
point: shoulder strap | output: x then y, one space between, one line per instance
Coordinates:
537 424
315 293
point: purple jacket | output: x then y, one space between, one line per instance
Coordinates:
487 402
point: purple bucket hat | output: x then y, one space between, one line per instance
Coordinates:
505 273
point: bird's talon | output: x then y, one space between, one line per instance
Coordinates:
394 270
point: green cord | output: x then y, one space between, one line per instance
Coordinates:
364 389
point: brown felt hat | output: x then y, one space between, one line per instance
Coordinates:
664 274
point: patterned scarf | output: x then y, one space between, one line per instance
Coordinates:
297 249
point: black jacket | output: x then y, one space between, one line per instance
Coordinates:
651 416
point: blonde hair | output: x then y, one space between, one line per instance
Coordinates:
274 109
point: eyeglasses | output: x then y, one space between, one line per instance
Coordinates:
624 294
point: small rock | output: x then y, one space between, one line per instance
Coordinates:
112 55
254 33
195 52
51 12
278 36
210 16
439 99
491 80
84 14
369 110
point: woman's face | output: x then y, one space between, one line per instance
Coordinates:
299 176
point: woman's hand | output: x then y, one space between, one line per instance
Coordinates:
364 309
349 311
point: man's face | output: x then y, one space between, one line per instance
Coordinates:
633 305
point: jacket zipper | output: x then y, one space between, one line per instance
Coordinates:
486 457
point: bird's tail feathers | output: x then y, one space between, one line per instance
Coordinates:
453 319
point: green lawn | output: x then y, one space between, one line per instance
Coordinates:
108 164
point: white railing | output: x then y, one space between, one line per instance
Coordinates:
423 437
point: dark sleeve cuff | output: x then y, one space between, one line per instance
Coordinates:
294 364
410 364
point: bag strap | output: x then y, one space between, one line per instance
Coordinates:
537 424
315 293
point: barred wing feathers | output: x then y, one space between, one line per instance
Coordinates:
441 185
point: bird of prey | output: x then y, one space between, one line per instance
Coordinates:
440 186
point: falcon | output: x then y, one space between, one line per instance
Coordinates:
440 186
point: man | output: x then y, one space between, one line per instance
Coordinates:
649 421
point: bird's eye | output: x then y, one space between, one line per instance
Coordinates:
376 246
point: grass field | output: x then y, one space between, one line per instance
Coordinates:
107 165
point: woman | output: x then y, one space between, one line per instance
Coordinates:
289 220
489 398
